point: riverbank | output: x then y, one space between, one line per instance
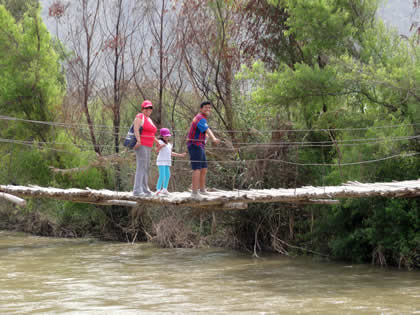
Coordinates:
168 227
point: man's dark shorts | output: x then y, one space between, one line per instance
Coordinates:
197 157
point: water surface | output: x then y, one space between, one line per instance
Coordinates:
47 275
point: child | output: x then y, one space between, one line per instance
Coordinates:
164 160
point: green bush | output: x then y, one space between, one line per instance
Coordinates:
31 167
383 231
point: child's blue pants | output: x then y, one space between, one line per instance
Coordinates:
164 175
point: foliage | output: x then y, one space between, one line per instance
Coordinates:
381 231
30 75
17 8
355 74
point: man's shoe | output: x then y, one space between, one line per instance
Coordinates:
138 194
196 196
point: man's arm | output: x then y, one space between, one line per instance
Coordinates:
213 138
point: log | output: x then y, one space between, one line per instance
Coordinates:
16 200
125 203
226 199
318 202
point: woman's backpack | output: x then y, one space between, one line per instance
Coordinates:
130 139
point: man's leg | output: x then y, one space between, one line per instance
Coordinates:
203 173
195 157
196 180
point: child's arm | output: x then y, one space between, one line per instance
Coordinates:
179 154
159 146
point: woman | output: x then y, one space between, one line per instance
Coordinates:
143 148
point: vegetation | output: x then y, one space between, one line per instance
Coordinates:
313 93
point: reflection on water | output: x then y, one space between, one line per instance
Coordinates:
46 275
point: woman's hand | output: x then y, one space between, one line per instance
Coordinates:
159 147
138 144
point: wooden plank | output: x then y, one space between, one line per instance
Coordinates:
16 200
224 199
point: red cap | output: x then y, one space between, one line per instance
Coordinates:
146 104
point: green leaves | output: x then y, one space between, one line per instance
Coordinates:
320 25
30 76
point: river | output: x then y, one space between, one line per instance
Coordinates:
41 275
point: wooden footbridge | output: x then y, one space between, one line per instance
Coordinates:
218 199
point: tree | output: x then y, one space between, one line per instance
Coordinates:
17 8
354 73
84 40
212 39
160 46
120 21
30 79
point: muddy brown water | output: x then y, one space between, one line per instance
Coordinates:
41 275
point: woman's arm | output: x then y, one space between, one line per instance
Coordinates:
137 124
155 140
159 146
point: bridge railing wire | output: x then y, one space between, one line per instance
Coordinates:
226 150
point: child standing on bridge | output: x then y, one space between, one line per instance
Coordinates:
164 161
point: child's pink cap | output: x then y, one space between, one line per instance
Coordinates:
164 132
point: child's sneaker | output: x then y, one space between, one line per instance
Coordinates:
204 192
164 191
158 192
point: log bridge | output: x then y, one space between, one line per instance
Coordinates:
218 199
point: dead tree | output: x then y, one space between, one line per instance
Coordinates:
212 36
80 20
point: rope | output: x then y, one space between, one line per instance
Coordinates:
404 155
249 145
68 125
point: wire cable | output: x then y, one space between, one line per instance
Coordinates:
73 125
403 155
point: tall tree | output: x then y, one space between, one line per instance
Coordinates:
30 73
19 7
212 41
85 41
119 23
159 44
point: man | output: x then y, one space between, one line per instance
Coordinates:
196 142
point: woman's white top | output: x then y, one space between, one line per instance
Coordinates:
165 154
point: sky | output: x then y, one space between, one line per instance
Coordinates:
398 14
395 13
